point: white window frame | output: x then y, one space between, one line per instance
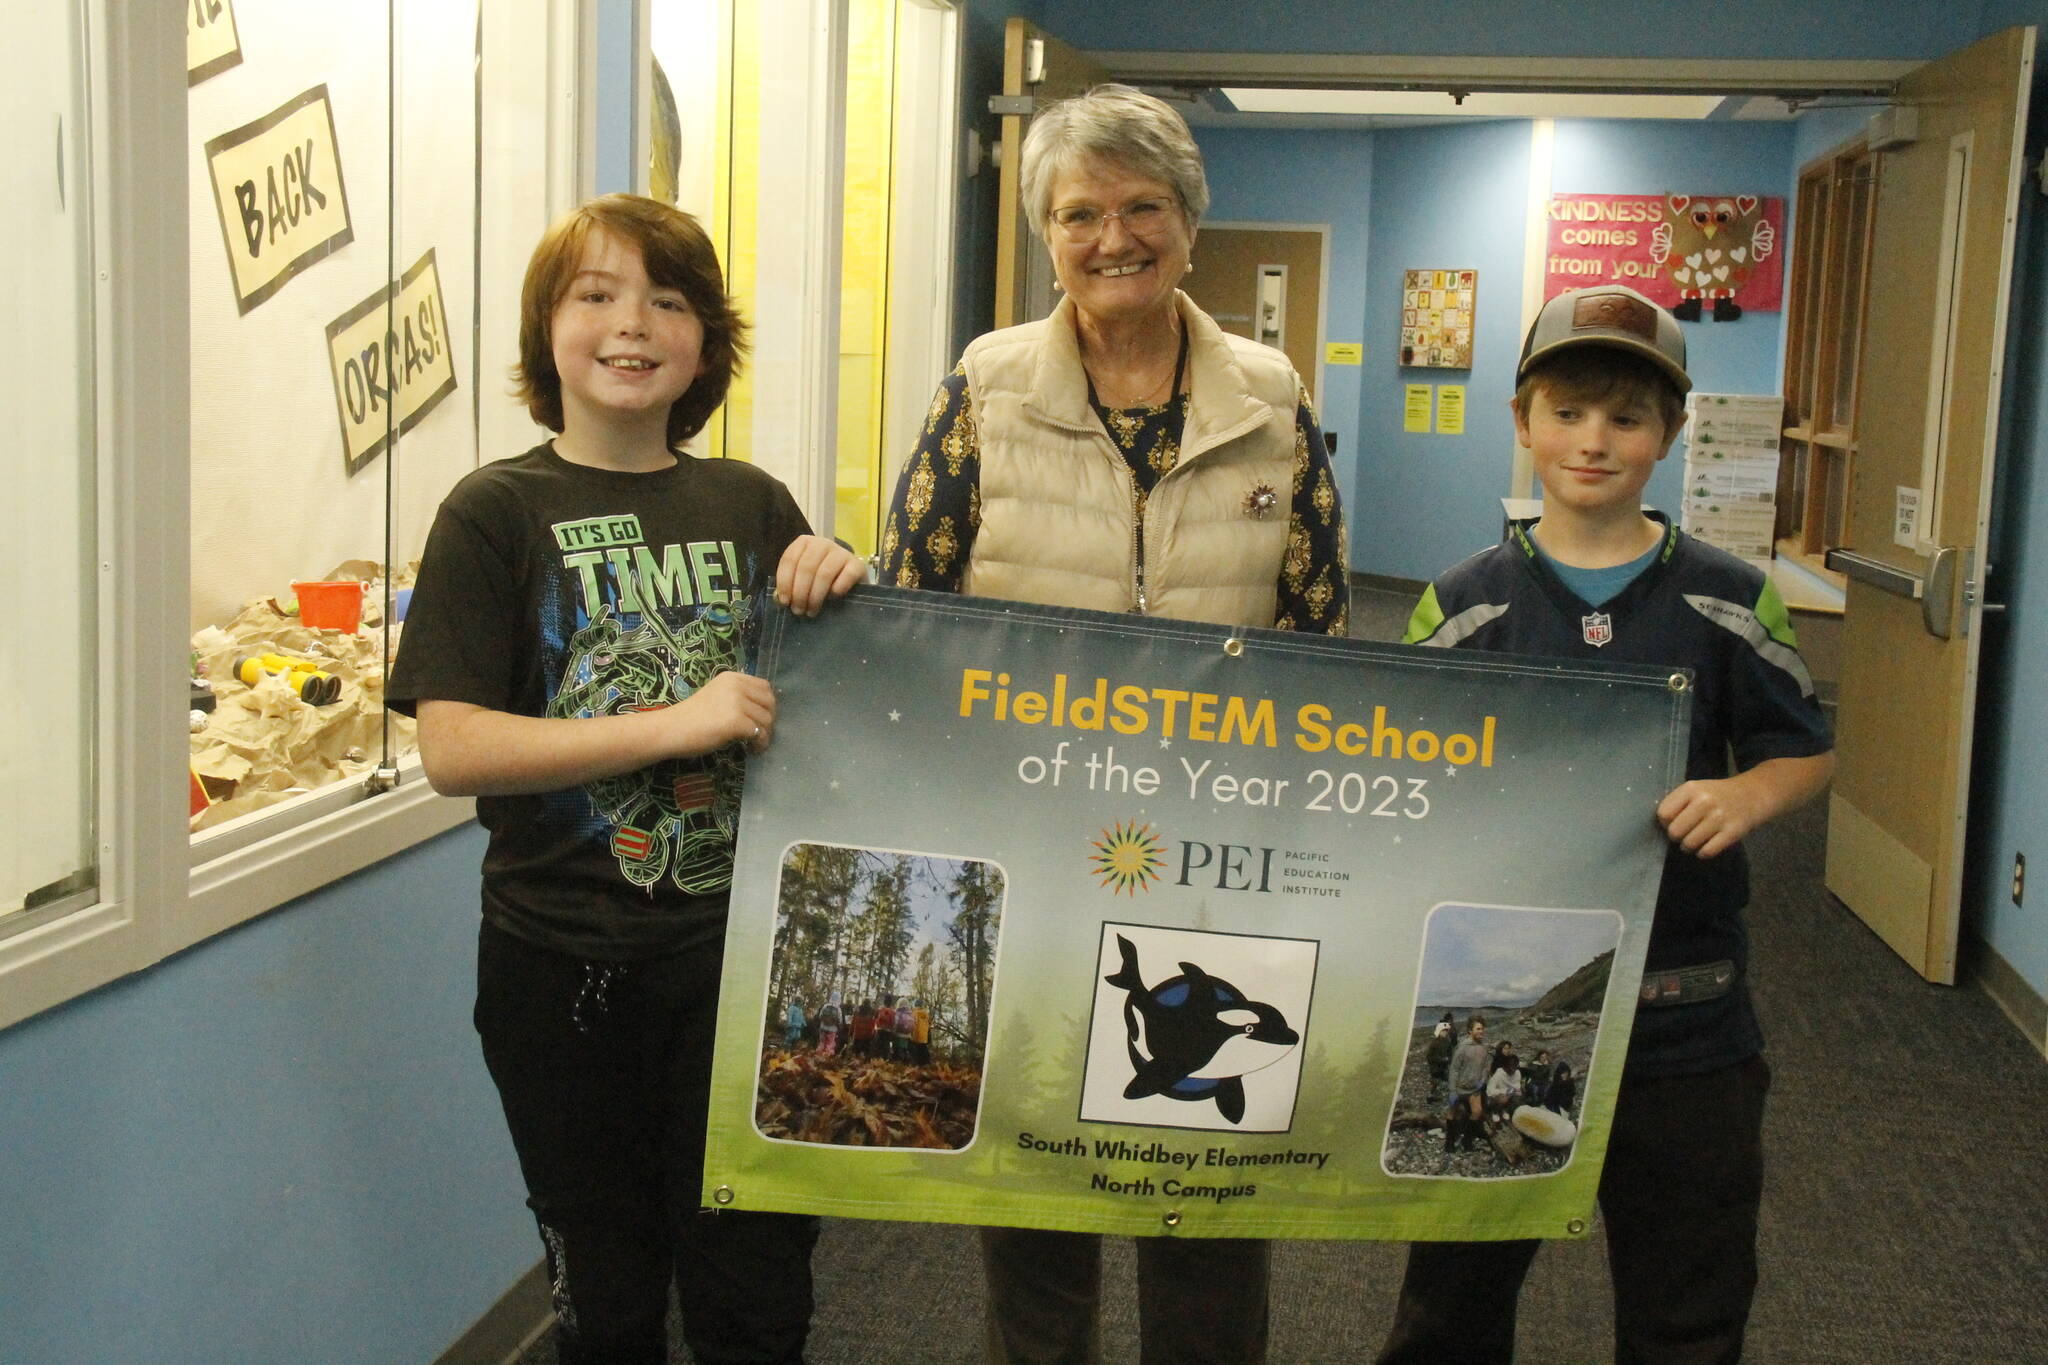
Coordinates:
161 891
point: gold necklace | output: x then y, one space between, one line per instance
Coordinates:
1138 400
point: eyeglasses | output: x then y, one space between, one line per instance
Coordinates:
1085 223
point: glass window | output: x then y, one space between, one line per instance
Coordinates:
334 277
51 622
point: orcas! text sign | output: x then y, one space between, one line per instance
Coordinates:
1060 919
391 362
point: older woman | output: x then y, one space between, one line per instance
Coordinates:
1123 454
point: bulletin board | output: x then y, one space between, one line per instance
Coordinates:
1436 318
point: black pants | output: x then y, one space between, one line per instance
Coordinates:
604 1072
1201 1301
1679 1194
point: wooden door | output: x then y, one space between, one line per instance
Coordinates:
1941 275
1225 283
1037 69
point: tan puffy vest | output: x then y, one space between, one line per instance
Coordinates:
1058 503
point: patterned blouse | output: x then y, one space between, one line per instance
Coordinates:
937 507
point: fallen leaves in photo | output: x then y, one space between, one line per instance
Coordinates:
866 1102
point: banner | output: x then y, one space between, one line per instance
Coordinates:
1678 250
1120 924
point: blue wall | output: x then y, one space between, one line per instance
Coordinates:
281 1145
1822 130
1267 177
1525 28
1449 197
1454 196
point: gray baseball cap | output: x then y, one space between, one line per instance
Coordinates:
1607 315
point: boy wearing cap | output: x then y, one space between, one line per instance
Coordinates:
1599 396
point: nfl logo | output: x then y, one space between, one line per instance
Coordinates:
1598 628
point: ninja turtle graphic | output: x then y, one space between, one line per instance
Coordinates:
678 817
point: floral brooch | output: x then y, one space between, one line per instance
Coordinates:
1261 500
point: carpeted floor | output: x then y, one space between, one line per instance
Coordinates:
1905 1216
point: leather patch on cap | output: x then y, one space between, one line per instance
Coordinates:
1617 311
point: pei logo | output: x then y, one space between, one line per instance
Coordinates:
1127 858
1197 1030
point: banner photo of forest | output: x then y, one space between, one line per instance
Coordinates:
878 998
1051 918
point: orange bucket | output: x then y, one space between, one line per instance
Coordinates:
331 605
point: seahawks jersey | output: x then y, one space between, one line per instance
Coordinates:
1694 607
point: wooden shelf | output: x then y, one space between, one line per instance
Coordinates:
1816 565
1833 440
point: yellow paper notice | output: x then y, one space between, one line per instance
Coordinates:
1450 410
1415 414
1344 353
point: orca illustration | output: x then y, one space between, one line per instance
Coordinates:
1192 1036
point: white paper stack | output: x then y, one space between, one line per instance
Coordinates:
1731 471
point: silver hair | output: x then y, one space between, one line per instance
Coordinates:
1113 123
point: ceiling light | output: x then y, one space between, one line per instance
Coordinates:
1478 104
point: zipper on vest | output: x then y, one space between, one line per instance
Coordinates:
1139 605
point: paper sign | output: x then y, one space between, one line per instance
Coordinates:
277 187
378 346
1415 406
1450 410
1344 353
1702 254
1436 318
212 43
1057 918
1905 516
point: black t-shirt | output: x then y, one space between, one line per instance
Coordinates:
552 589
1694 607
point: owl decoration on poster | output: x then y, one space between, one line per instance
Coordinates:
1708 247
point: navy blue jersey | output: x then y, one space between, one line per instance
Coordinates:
1695 607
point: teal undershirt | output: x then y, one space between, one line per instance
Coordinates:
1598 587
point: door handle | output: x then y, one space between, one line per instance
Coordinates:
1934 589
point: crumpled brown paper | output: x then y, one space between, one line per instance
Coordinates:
262 745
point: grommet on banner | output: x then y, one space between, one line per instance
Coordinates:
1575 1227
1233 646
1676 682
1172 1218
722 1195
